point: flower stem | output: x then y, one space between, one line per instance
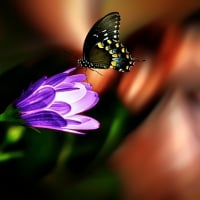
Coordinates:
11 114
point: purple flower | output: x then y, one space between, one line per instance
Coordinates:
55 103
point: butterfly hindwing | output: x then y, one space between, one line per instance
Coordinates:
99 58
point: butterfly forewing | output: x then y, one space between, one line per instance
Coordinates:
109 26
105 28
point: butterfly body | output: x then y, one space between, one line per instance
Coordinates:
102 48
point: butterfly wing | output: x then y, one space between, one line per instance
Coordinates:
102 48
99 58
104 29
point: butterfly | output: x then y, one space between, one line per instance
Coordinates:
102 48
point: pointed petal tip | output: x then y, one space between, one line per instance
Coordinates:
68 71
84 123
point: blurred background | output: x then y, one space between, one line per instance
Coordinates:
148 145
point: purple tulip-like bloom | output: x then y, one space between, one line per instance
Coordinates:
56 103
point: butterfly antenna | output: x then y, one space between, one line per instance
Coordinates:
138 60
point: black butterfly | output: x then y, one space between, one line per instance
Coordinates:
102 48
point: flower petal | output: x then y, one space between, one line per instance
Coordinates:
54 103
87 85
82 122
66 87
60 107
44 119
39 99
72 95
63 77
70 70
56 79
87 102
31 89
